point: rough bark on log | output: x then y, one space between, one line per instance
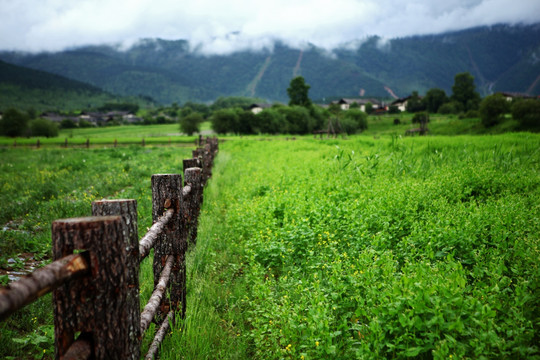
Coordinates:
148 240
158 339
26 290
81 349
167 193
96 303
155 300
127 209
192 177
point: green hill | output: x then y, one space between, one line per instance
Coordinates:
501 58
26 88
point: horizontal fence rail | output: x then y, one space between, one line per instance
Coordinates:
96 292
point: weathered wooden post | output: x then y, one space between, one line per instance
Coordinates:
94 305
127 209
37 143
143 142
115 142
88 143
66 143
193 175
167 194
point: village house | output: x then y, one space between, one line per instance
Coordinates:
401 103
345 104
257 108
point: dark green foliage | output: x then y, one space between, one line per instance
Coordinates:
202 109
420 118
68 124
190 123
354 120
397 121
225 121
464 91
434 99
13 123
452 107
414 104
492 109
393 109
246 122
270 121
299 121
43 127
298 92
369 108
132 108
233 101
527 112
86 124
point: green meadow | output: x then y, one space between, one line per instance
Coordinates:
364 247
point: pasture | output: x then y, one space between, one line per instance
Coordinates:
363 247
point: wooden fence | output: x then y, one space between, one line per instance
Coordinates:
95 273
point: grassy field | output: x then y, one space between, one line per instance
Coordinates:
367 248
372 246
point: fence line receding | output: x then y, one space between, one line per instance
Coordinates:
95 274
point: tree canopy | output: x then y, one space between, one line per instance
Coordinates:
464 91
298 92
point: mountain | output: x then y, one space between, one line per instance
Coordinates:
26 88
500 57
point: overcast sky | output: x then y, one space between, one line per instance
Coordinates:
222 26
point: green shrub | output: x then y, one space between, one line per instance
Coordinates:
43 127
420 117
527 112
492 109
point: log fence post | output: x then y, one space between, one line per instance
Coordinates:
167 194
94 305
192 177
127 209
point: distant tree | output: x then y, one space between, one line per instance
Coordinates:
13 123
246 122
202 109
369 108
421 117
527 112
43 127
299 121
85 124
298 92
393 109
354 105
68 124
464 91
492 109
334 108
191 123
224 121
434 99
414 104
452 107
233 101
354 120
270 121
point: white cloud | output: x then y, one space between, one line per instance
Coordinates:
36 25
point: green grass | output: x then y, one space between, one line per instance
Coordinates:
125 135
367 248
373 246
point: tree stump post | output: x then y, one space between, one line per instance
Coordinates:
94 305
192 177
167 194
127 209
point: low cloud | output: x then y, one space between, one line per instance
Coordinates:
221 27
